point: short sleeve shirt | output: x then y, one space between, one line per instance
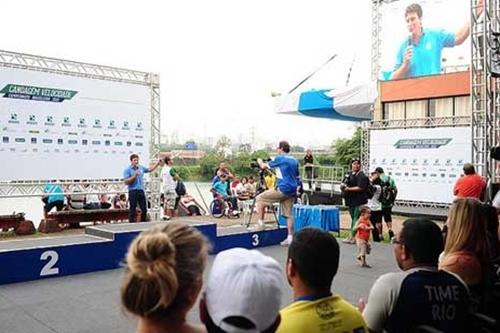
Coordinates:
401 301
426 58
56 192
354 199
138 183
287 173
326 315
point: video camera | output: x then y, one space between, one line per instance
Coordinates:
255 165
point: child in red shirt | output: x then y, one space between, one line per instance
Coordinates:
362 228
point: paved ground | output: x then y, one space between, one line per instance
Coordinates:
90 302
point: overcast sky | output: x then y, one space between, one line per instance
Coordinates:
219 60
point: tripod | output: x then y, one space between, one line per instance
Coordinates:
261 187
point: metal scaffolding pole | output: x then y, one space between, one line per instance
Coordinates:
480 79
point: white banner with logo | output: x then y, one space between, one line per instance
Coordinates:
55 126
425 162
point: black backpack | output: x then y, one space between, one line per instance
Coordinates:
370 191
180 189
388 193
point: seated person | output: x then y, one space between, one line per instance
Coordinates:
92 201
421 294
243 293
251 186
189 202
312 263
241 190
54 198
269 179
76 201
163 277
120 201
103 201
220 191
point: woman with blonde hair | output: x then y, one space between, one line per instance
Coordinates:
466 250
163 277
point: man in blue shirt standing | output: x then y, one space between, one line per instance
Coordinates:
133 177
287 176
420 54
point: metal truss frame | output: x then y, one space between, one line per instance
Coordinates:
420 122
420 204
73 68
481 87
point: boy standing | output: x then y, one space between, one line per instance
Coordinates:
363 228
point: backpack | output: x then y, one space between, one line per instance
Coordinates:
180 189
388 193
370 191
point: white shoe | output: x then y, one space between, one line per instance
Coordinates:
257 227
286 242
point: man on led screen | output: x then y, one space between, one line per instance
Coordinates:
420 53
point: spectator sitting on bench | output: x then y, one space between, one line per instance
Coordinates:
54 198
241 189
76 201
189 202
104 201
120 201
92 200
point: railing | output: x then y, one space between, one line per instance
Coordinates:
323 175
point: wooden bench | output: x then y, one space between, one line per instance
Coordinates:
70 217
18 223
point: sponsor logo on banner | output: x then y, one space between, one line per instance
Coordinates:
421 143
37 93
49 121
97 123
81 123
31 120
13 118
66 122
112 124
126 125
139 126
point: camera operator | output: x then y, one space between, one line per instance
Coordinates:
287 176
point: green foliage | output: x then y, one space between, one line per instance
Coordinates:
324 159
346 149
187 173
240 164
264 154
208 164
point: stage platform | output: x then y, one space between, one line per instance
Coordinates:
104 247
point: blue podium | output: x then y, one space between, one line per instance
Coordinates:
320 216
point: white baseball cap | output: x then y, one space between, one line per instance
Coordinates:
244 283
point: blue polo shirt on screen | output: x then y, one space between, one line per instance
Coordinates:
287 173
426 58
138 183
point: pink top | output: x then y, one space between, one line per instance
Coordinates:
464 264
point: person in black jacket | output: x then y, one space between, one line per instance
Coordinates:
354 189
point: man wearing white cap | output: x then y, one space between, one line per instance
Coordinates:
243 293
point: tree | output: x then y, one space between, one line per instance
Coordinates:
223 147
208 164
347 149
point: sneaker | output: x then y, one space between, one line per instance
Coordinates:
256 227
366 266
166 218
391 234
285 242
349 240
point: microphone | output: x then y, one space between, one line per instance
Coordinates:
409 39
